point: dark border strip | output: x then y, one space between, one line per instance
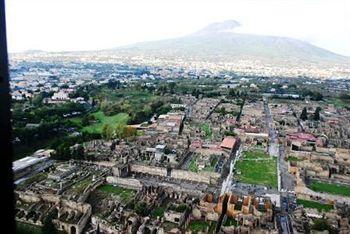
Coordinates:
6 152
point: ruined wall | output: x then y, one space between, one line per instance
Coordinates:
32 197
158 171
83 208
124 182
202 177
103 225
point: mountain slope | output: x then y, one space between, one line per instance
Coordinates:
219 42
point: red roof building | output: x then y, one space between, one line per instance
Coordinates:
228 142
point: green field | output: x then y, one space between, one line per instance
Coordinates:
315 205
336 189
125 194
257 168
256 154
211 166
102 120
338 102
198 225
80 186
294 159
158 212
207 130
193 166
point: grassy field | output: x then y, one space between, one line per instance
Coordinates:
158 212
256 154
193 166
125 194
102 120
338 102
207 130
294 159
129 99
212 165
80 186
315 205
257 168
198 225
330 188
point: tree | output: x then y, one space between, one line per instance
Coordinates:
37 100
232 93
85 120
303 115
317 96
49 227
317 114
129 131
222 111
141 208
172 86
78 152
107 132
62 152
119 130
321 225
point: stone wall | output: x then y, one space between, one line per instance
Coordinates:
201 177
103 225
158 171
63 206
124 182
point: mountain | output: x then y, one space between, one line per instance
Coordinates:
220 42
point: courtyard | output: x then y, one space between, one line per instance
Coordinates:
257 167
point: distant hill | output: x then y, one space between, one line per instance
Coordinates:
219 42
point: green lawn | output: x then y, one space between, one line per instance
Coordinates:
158 212
230 222
125 194
256 154
336 189
80 186
294 159
211 166
207 130
198 225
102 120
262 171
193 166
338 102
315 205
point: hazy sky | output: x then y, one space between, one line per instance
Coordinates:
57 25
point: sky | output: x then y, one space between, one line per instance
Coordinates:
66 25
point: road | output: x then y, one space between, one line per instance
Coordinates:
286 182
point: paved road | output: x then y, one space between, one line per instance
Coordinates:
288 181
288 204
273 138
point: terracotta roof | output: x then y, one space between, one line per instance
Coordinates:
228 142
301 136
